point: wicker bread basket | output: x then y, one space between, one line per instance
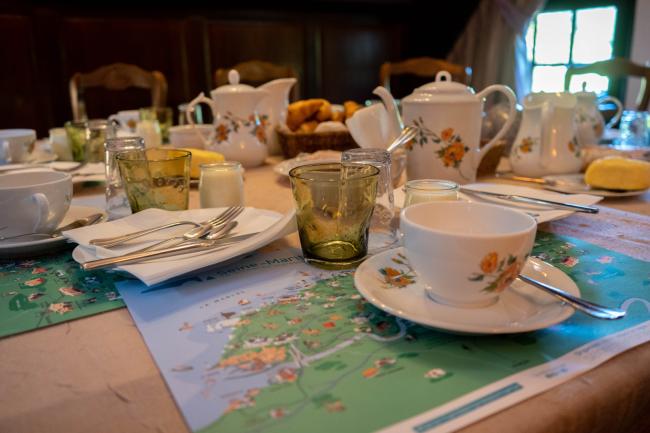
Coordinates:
293 143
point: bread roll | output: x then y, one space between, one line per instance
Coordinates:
617 172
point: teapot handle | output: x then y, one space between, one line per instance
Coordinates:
190 119
619 110
510 95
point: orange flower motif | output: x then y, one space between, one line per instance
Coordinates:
260 133
222 133
507 277
391 272
489 262
454 153
572 146
526 145
446 134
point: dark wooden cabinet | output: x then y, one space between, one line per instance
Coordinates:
336 50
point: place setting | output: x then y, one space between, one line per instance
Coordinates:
288 259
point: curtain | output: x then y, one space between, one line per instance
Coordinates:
494 45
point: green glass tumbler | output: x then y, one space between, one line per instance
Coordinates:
334 205
156 178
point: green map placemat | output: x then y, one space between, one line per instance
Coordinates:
52 289
270 344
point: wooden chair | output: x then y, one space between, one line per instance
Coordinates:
423 67
617 68
257 72
118 76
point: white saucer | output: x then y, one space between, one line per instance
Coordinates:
521 308
575 183
10 250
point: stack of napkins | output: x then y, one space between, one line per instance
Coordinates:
270 225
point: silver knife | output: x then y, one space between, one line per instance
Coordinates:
532 200
192 247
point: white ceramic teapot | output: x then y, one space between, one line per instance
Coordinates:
239 133
273 109
590 122
546 142
448 115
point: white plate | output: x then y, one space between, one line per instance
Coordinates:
42 246
520 308
575 183
92 172
541 213
321 157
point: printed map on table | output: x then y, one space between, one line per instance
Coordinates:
271 344
52 289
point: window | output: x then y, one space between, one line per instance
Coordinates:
560 39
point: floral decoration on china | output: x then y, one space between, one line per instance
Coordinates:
256 123
398 278
500 272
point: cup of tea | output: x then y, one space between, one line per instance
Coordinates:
33 201
466 254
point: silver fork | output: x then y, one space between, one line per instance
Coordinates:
118 240
210 231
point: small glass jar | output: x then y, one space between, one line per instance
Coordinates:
423 190
221 184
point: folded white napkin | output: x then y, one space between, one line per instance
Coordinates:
270 225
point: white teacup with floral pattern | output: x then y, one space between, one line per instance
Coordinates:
466 254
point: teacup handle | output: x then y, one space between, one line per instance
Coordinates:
42 212
190 119
619 110
510 95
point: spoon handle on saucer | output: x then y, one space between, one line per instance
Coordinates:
594 310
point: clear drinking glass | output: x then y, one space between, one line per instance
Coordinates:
117 203
334 205
221 184
423 190
87 138
634 128
158 179
383 230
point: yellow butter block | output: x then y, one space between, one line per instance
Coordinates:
200 156
616 172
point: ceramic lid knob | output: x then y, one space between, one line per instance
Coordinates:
233 76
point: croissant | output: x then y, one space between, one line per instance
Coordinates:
350 107
300 111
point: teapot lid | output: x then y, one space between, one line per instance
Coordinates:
234 86
443 89
584 94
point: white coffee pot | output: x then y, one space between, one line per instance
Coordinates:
546 142
273 109
448 117
590 122
239 132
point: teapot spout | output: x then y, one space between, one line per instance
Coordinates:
396 123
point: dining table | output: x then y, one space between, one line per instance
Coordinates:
96 374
